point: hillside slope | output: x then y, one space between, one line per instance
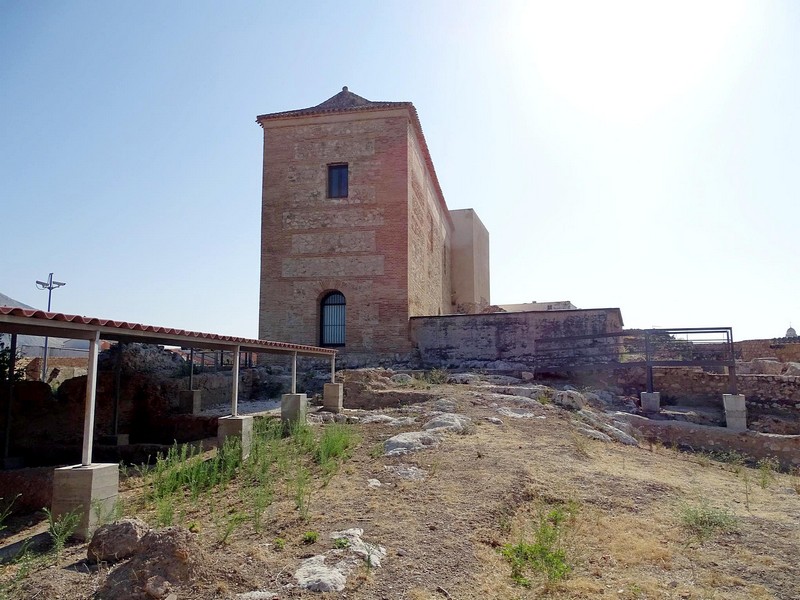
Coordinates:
627 522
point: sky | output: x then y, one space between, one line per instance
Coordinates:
640 155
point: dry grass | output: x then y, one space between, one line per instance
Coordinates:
483 491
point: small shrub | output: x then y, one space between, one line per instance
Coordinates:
704 520
436 376
310 537
279 543
543 399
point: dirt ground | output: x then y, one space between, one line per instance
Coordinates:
484 489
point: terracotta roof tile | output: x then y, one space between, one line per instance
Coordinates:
122 326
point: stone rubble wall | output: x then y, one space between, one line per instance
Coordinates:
786 448
460 340
697 385
782 349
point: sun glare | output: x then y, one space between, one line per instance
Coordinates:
623 60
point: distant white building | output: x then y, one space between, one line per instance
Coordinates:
539 306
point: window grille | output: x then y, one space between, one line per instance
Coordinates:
332 320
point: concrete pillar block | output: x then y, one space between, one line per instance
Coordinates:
736 420
190 401
90 491
735 411
294 408
651 402
240 427
333 397
733 402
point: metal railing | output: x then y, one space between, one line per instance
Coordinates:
708 347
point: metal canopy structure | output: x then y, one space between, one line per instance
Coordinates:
22 321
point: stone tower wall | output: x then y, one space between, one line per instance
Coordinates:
312 244
429 235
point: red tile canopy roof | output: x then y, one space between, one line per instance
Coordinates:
38 322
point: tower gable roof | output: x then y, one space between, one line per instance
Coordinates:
348 102
344 101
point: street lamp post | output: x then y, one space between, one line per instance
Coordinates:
48 285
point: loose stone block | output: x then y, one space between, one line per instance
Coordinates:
333 397
651 402
294 408
240 427
90 491
190 401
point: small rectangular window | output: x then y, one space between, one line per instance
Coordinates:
337 181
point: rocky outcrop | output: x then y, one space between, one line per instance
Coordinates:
165 559
116 541
448 422
319 574
410 442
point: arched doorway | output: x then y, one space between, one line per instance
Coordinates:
332 319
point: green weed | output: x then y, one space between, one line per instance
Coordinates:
302 437
703 520
310 537
103 515
581 445
341 543
336 444
165 512
732 457
302 491
767 467
5 512
545 553
377 450
279 543
60 528
261 498
747 490
232 523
